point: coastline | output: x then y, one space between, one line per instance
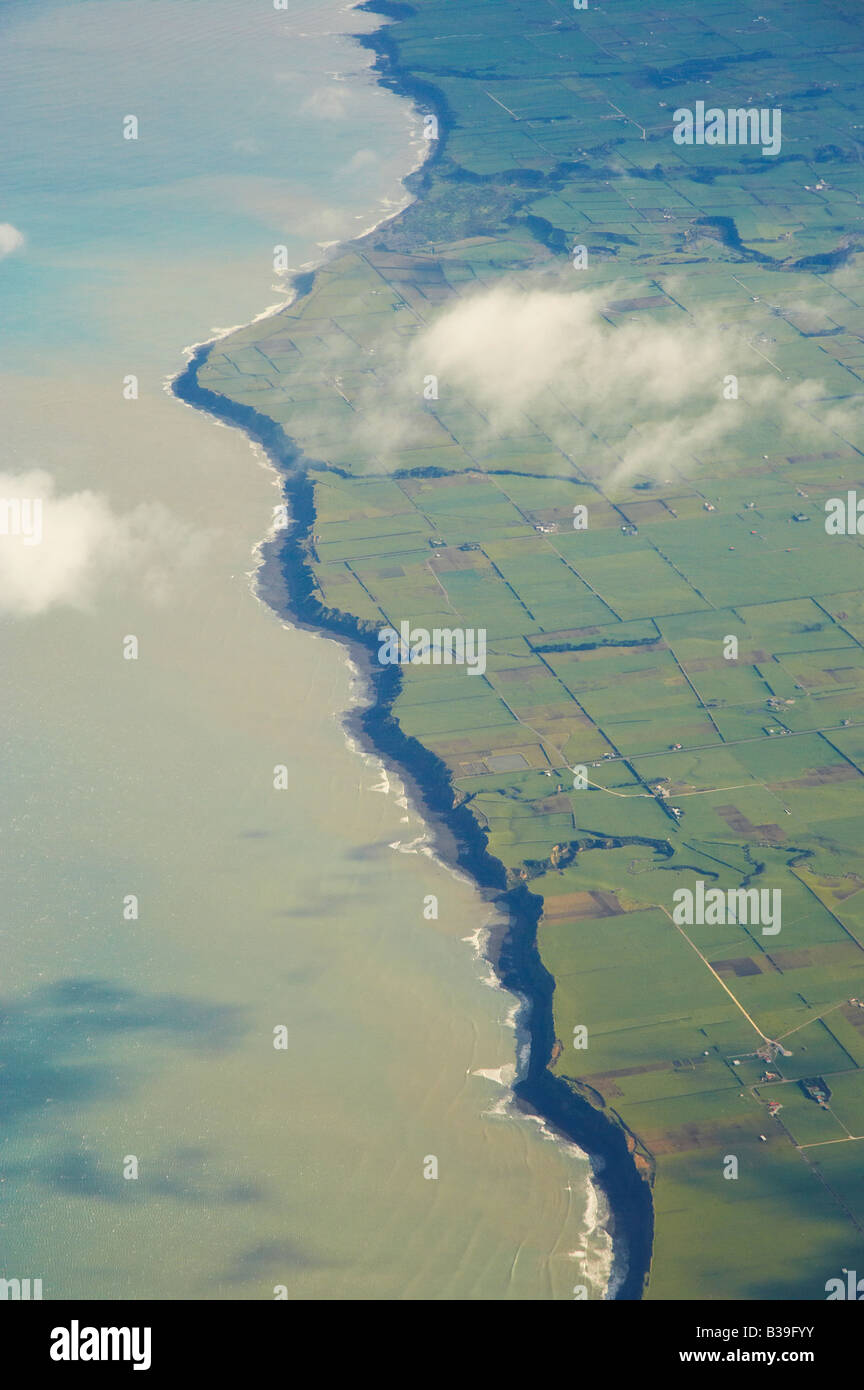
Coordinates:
285 582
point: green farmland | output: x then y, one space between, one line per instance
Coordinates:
738 765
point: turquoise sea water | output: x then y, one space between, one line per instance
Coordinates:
249 135
151 1037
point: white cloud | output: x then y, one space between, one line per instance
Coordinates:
328 103
622 394
57 550
363 159
10 239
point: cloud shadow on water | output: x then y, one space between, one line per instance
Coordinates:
271 1260
53 1058
184 1176
52 1040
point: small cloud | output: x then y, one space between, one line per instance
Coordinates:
363 159
57 550
328 103
10 239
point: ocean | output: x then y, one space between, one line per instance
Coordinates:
230 1040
